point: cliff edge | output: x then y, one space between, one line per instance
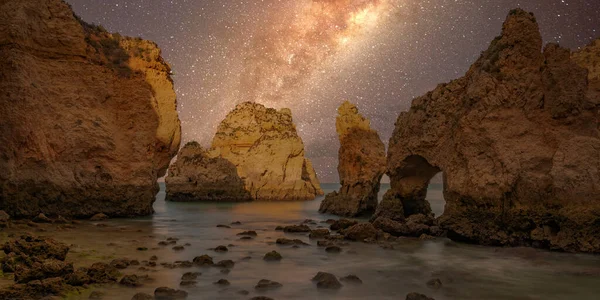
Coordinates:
89 118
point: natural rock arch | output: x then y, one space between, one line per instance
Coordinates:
518 141
411 182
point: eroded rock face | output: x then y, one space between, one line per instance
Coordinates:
361 165
267 155
517 140
197 175
588 58
89 119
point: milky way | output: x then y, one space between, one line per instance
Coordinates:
311 55
285 54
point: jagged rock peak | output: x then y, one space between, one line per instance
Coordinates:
89 117
349 118
249 122
513 137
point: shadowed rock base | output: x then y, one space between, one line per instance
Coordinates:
196 176
54 200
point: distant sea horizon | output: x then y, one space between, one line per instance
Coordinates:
437 179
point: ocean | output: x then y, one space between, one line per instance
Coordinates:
466 271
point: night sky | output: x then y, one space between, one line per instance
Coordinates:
311 55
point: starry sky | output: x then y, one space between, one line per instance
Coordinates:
311 55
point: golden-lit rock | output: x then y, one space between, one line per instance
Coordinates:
267 155
89 119
587 57
361 165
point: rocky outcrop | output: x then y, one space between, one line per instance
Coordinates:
414 226
89 118
256 149
39 269
198 175
361 165
587 57
517 141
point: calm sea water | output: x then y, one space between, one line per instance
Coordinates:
467 271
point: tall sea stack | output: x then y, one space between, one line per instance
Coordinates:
517 141
89 119
255 145
361 165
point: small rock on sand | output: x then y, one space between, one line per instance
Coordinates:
353 279
417 296
222 282
272 256
265 284
165 293
327 281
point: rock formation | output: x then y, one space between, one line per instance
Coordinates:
40 270
198 175
588 58
266 151
361 165
89 119
517 141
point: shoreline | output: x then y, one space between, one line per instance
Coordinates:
104 241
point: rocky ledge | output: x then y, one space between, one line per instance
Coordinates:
517 141
40 269
256 152
361 165
89 119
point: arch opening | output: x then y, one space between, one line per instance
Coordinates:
420 187
435 194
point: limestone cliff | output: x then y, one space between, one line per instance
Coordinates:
89 118
588 57
361 165
198 175
268 155
517 141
